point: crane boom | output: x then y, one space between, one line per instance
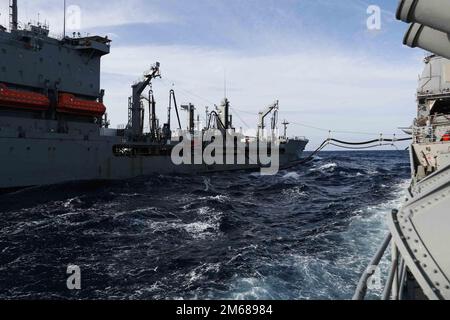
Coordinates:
263 115
136 109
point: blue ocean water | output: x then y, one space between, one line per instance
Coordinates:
307 233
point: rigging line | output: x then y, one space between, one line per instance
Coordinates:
312 155
243 111
239 117
330 142
182 94
210 102
193 94
237 111
356 143
362 148
242 120
395 146
311 127
370 141
323 129
337 131
397 140
246 112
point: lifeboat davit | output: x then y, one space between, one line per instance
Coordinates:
22 99
68 103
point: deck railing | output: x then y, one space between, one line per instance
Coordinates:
396 280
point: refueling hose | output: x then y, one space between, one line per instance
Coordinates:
351 146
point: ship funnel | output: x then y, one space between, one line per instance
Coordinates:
13 13
430 27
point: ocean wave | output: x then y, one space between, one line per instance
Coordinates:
292 175
306 233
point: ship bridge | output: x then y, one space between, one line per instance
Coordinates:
98 45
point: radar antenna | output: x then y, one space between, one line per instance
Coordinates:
285 125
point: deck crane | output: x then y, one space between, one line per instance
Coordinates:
136 116
264 114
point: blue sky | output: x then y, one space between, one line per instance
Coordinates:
316 56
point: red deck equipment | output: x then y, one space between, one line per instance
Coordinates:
68 103
22 99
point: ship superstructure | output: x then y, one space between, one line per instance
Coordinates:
58 76
431 129
54 126
420 230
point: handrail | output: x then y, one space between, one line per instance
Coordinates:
361 290
392 275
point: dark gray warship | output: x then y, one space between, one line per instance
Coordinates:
54 127
420 231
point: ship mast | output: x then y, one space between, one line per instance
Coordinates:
285 125
65 14
13 15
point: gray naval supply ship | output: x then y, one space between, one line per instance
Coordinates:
419 236
54 127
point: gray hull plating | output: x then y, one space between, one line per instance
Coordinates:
49 158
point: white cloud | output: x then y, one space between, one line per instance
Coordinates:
327 88
94 14
316 81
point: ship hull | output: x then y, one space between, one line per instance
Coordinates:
60 158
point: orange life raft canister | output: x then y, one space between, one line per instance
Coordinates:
68 103
22 99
